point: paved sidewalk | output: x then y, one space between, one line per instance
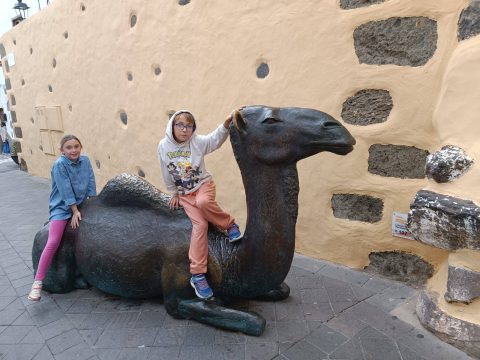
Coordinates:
333 312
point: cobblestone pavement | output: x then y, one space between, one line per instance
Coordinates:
333 312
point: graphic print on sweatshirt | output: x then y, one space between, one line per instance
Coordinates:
180 168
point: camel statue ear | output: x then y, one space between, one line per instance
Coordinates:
238 121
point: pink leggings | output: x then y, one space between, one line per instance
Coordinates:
201 208
55 233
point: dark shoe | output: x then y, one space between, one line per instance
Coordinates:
234 233
200 284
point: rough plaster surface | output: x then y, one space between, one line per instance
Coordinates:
366 107
469 21
401 266
357 207
460 333
397 161
447 164
407 41
463 285
445 222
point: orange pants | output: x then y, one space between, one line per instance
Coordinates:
202 208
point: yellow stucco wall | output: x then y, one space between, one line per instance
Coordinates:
208 52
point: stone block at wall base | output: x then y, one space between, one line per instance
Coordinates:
459 333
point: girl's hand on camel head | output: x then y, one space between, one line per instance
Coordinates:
76 217
174 202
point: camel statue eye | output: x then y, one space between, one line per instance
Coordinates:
270 120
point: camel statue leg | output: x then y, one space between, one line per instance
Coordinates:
208 312
280 293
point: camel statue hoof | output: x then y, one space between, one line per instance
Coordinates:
281 293
208 312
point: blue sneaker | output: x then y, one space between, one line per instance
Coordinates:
200 284
234 233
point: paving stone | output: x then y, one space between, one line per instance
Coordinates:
269 335
27 280
350 350
124 320
170 336
7 317
229 337
6 300
199 335
151 319
377 285
409 354
291 330
347 324
344 274
326 339
14 334
307 263
77 352
266 310
304 350
314 296
83 306
91 336
8 290
96 320
44 354
287 312
24 319
229 351
132 354
56 328
64 341
20 352
319 312
123 337
380 349
261 351
44 312
76 319
33 337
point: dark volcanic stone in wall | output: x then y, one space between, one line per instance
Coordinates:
353 4
8 84
2 51
401 266
406 162
357 207
445 222
463 285
18 132
406 41
447 164
469 21
367 107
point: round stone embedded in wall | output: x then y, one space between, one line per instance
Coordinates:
70 108
23 165
40 147
23 82
357 207
97 162
129 76
123 117
50 89
353 4
82 7
447 164
400 266
14 42
469 21
140 172
367 107
65 34
31 51
406 162
32 120
183 2
133 20
405 41
156 70
54 63
263 70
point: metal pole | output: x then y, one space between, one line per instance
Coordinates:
39 8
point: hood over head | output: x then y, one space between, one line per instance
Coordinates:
169 129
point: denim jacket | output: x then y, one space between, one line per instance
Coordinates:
72 183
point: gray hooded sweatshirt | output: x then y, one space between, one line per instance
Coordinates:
182 164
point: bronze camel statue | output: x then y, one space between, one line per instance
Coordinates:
132 245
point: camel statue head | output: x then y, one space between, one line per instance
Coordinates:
285 135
